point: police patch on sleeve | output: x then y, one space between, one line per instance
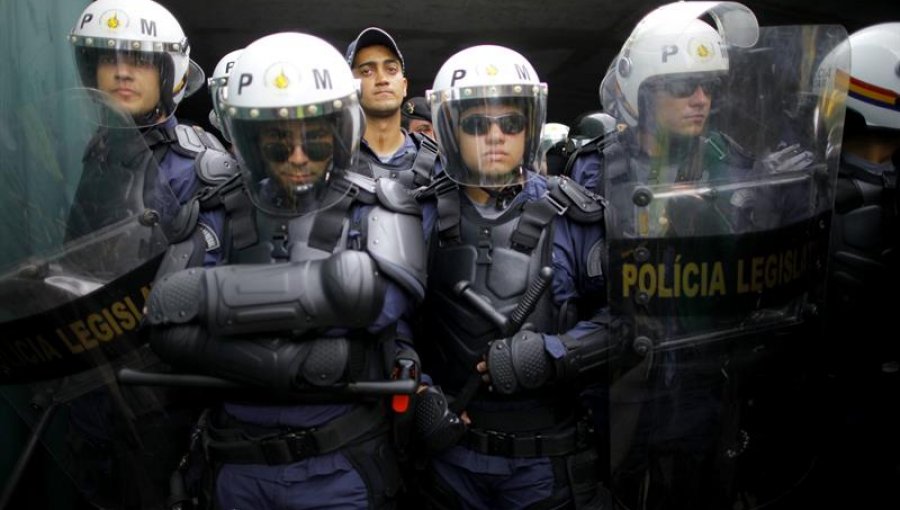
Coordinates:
210 239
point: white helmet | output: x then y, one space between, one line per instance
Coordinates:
671 42
875 75
554 134
483 75
217 88
143 27
290 79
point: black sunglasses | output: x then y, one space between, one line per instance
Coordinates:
685 87
478 124
279 152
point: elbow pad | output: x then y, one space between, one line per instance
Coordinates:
344 290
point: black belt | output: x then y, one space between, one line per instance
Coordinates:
492 442
231 445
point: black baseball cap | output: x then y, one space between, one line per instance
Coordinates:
373 36
416 108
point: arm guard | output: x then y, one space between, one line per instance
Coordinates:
583 355
344 290
272 363
522 363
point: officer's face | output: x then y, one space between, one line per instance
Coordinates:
421 126
383 83
132 79
684 112
492 138
297 153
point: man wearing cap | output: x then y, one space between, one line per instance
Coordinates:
387 150
417 116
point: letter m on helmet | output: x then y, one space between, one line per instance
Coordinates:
148 27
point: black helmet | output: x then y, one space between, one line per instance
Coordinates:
587 126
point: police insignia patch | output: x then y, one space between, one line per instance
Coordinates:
210 239
409 107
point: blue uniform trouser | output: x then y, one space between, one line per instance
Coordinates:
359 476
485 482
321 482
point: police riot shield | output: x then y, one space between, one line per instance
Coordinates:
720 195
85 218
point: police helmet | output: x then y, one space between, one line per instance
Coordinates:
217 88
288 92
671 43
487 77
137 31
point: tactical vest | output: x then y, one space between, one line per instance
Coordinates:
412 171
499 258
863 268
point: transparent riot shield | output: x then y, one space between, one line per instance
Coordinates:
717 245
85 218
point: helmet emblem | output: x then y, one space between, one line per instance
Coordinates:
114 20
491 70
701 49
409 107
281 81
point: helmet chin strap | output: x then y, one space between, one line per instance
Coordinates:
150 118
504 196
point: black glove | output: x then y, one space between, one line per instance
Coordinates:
437 427
519 363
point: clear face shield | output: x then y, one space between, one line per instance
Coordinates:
288 164
139 82
218 91
492 141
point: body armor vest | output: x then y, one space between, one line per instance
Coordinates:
412 171
487 259
864 251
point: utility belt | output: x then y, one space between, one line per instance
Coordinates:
568 441
234 442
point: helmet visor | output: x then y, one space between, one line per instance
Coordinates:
134 80
491 141
287 164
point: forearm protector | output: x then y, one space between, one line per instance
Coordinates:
583 355
273 363
521 362
344 290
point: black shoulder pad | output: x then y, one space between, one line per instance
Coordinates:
213 167
581 205
192 140
396 197
182 226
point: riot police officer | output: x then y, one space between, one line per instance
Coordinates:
697 188
863 272
550 152
137 54
587 127
864 260
312 310
509 247
217 86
